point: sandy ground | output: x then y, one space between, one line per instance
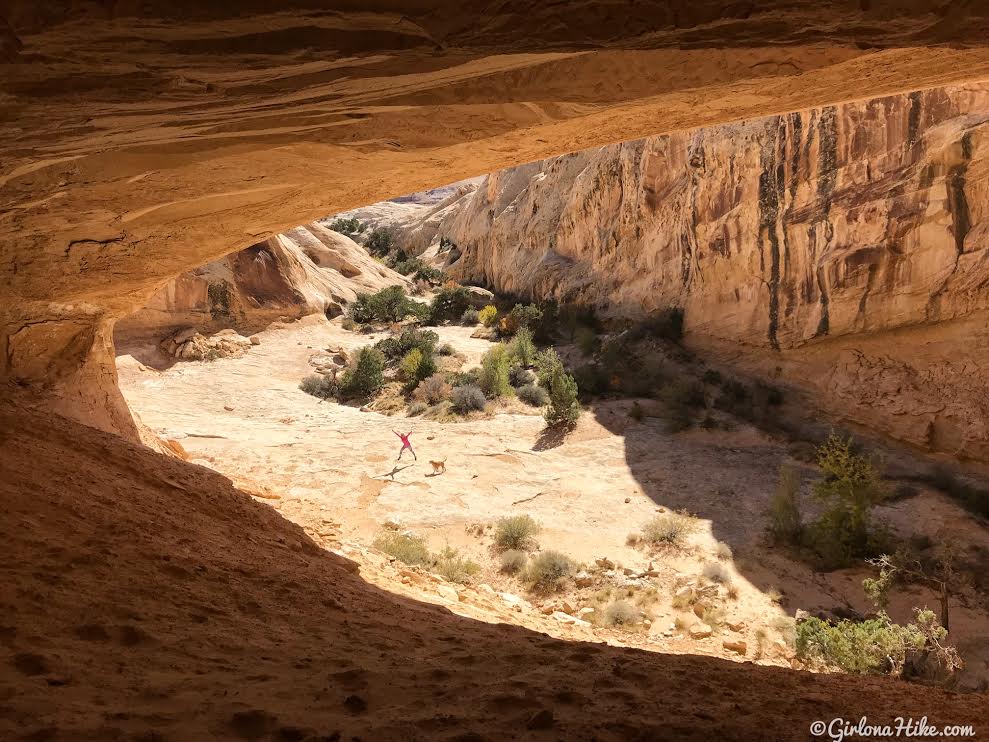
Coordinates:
331 468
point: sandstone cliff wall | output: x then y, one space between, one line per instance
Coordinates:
789 241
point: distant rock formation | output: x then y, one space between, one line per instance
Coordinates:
306 270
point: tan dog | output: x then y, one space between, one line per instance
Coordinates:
438 466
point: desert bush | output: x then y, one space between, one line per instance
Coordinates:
409 339
366 376
351 227
564 408
522 349
620 613
405 547
324 387
470 317
449 303
522 315
453 567
851 487
417 408
487 316
445 350
785 520
388 305
587 341
533 395
547 364
716 572
875 646
466 398
723 551
416 366
494 372
513 561
432 390
519 376
349 324
516 532
548 570
379 241
469 377
669 528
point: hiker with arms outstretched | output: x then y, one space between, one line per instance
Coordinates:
405 444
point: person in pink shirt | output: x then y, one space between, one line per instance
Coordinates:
405 444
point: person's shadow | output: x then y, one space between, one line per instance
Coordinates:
395 470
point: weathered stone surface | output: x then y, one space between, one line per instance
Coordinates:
841 247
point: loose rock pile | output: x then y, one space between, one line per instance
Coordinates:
190 345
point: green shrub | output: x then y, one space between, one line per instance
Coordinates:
865 647
785 521
669 528
587 341
533 395
349 324
564 409
516 532
388 305
417 408
366 376
522 349
548 363
548 570
445 350
467 398
399 346
513 561
379 241
351 227
324 387
432 390
488 315
470 317
452 567
416 366
405 547
526 315
470 377
449 303
519 376
621 613
850 489
494 379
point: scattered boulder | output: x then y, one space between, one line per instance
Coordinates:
738 647
583 579
567 618
735 625
255 339
542 719
478 297
700 631
190 345
604 563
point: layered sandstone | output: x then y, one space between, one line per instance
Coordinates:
801 241
307 270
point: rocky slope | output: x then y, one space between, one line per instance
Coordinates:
843 246
306 270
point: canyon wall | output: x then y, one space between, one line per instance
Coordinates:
841 247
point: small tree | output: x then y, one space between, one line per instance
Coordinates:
564 408
548 363
449 303
522 349
366 376
940 574
495 372
379 241
350 227
850 489
525 315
